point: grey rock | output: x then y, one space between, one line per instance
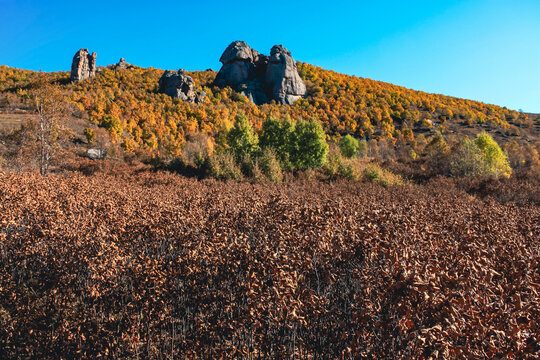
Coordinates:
95 154
238 65
179 85
237 51
83 66
259 77
282 80
122 64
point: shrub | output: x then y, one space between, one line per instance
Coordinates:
333 163
376 174
362 148
337 166
197 149
348 170
349 146
437 151
128 145
241 139
223 166
308 147
90 135
270 165
111 123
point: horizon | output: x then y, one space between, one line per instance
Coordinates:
484 51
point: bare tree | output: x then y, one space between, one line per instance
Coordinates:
51 108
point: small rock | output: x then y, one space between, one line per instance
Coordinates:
95 154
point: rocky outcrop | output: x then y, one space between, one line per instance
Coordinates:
122 64
259 77
243 70
83 66
282 80
179 85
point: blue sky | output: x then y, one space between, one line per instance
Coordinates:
485 50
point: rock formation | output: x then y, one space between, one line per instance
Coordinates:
83 65
122 64
282 80
178 84
259 77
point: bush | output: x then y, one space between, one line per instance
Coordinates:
241 139
197 149
270 165
223 166
90 135
308 147
112 124
376 174
349 146
337 166
362 148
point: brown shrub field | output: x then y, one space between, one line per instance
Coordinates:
153 265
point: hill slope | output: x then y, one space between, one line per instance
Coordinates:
128 104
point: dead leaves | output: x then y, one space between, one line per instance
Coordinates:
153 265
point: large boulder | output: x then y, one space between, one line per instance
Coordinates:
83 66
252 74
179 85
282 80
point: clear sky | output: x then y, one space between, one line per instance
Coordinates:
487 50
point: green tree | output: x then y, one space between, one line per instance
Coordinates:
495 160
241 138
349 146
467 160
276 135
307 146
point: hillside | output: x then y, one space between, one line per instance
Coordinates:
127 103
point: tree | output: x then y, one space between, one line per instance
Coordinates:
51 108
467 160
495 160
276 135
308 147
241 138
349 146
